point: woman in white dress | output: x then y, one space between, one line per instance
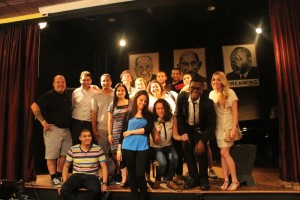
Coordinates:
226 107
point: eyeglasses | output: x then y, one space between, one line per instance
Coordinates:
193 64
196 88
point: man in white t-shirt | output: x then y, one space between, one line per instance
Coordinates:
100 102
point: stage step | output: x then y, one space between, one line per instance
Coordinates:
51 194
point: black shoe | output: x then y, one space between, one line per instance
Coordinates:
118 178
204 187
204 184
191 184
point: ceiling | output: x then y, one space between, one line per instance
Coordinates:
19 10
154 20
16 10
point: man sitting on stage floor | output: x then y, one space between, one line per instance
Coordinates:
86 158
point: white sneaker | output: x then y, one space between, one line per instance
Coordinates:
56 182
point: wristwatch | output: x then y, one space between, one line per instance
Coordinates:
104 183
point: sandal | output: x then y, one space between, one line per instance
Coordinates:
234 186
225 185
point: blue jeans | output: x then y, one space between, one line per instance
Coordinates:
76 181
166 157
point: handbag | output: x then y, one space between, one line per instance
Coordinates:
237 137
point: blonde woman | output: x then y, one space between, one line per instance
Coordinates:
226 107
140 84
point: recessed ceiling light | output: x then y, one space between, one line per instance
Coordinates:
111 20
211 8
149 10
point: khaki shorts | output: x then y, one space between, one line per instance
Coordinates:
57 141
103 141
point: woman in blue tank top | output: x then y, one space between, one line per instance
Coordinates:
133 147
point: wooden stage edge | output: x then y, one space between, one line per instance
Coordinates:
268 186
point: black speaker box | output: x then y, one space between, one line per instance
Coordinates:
244 157
10 187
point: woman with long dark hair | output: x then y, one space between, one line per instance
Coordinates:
133 146
116 113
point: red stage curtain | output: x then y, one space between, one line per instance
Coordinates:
19 49
285 22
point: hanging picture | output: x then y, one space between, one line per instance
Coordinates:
240 65
191 60
144 65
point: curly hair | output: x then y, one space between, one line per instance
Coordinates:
168 114
162 89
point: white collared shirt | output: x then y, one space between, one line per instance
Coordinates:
81 100
191 111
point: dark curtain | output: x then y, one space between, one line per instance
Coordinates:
19 49
285 22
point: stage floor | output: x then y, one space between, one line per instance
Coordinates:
266 179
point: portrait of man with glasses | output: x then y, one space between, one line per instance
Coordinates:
189 61
144 65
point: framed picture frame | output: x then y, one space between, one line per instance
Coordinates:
144 65
191 59
240 65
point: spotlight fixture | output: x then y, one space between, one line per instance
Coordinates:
122 43
43 25
258 30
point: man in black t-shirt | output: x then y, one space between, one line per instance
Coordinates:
53 109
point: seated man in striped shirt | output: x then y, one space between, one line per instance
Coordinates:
86 158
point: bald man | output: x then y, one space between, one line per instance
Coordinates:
54 110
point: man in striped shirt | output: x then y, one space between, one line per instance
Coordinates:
86 158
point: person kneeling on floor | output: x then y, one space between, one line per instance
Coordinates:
161 143
85 158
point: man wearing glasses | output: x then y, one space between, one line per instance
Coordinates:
196 117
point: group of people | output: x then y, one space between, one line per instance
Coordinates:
133 124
